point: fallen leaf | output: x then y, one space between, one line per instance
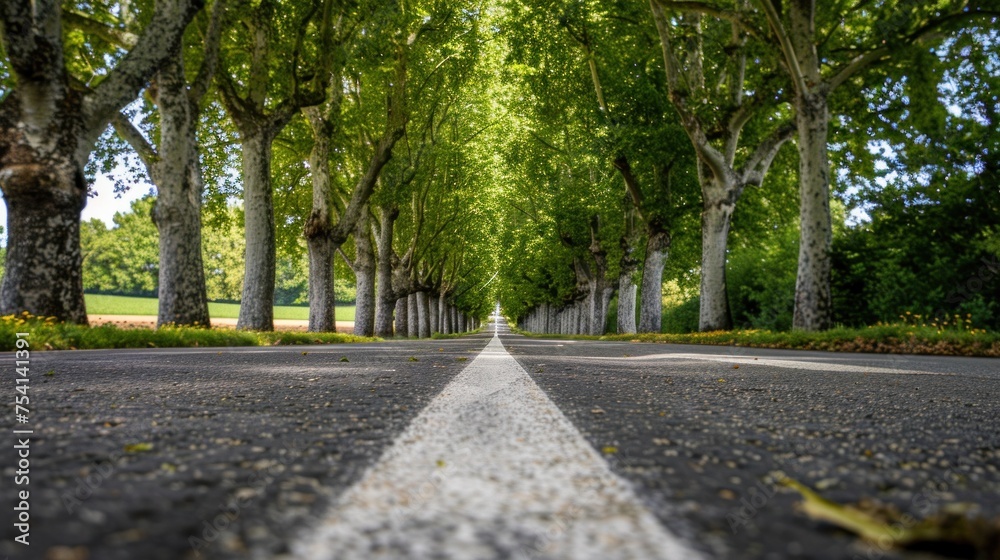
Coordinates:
948 531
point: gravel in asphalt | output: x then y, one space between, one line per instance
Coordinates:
239 453
136 453
491 469
703 440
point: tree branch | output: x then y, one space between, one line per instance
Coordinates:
160 40
134 137
117 37
347 260
631 183
757 164
366 185
791 59
705 8
871 58
235 105
199 87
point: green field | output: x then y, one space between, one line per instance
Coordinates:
123 305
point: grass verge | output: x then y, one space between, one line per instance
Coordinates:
101 304
882 339
49 335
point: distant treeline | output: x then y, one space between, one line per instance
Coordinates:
124 260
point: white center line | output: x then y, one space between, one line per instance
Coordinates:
774 362
491 469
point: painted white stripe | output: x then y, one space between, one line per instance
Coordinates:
775 362
491 469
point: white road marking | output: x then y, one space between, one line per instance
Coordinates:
775 362
491 469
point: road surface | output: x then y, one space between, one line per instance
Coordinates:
488 447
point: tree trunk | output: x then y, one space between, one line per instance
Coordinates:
627 266
626 304
412 316
384 295
423 315
445 317
47 131
605 296
364 273
402 316
453 312
43 273
651 304
433 314
813 310
183 298
322 302
257 304
715 219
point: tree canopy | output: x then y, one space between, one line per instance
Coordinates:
594 166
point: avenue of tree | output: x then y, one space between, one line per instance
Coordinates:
595 166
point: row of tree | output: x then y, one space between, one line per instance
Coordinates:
124 259
686 104
341 117
561 156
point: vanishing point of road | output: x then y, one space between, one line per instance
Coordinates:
490 446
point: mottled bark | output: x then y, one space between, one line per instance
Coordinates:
627 291
183 299
633 203
434 314
257 302
601 288
715 137
384 295
813 309
364 273
43 274
423 315
445 316
627 288
714 313
402 317
47 132
412 316
651 304
322 301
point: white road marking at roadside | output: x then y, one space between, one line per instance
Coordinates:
775 362
491 469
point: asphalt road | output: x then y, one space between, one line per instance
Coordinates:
249 453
